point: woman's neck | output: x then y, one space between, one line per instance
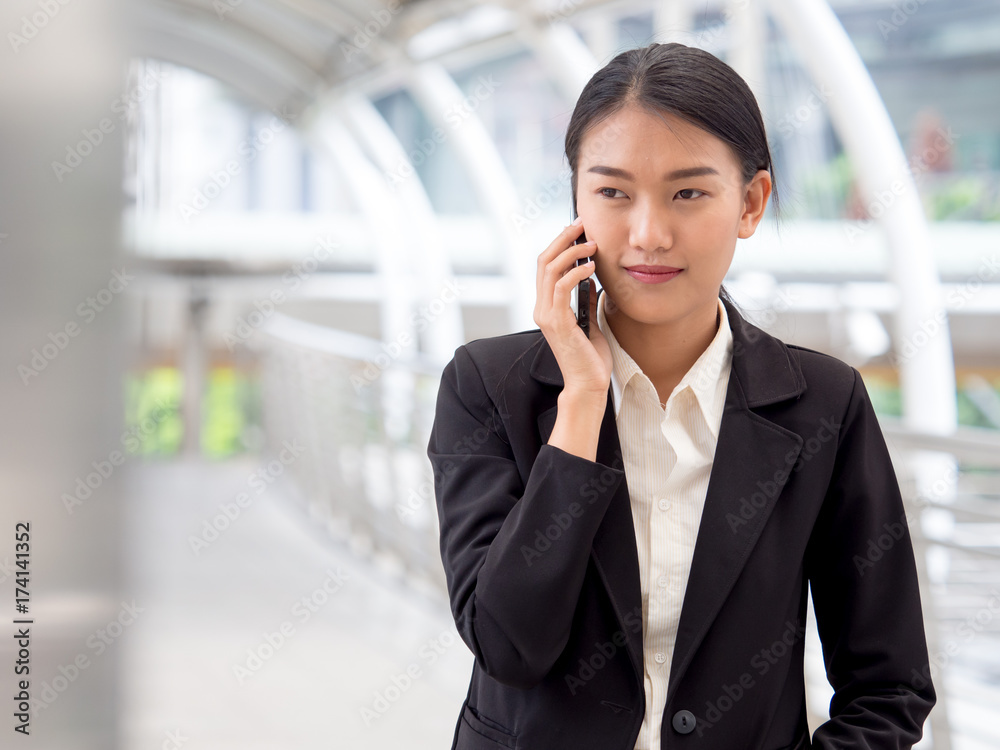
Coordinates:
666 351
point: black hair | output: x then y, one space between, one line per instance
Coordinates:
688 82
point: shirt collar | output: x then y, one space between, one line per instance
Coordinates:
703 377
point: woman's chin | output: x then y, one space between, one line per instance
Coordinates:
649 315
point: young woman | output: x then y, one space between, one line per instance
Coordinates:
629 523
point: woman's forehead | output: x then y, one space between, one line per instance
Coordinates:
640 143
633 125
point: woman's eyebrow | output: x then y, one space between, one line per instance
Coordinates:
677 174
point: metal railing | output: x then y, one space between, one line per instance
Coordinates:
363 419
363 416
956 536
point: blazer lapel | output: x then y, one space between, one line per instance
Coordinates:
753 460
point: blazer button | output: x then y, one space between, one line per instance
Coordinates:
683 722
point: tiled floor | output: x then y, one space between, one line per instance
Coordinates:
207 614
226 654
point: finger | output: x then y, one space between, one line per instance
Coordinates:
555 306
571 278
565 263
562 263
568 233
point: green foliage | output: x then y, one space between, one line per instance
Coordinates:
887 401
230 398
152 412
963 198
885 395
153 416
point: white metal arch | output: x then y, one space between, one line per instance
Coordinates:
275 72
437 94
422 250
262 73
927 377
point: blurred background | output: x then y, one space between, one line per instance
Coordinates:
241 238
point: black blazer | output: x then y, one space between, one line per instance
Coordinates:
539 551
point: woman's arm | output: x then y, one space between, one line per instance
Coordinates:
514 553
861 568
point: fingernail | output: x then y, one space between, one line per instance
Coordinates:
577 221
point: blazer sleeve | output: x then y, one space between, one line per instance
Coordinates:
861 568
514 553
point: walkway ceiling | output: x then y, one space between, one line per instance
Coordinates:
284 54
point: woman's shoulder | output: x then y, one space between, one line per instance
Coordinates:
493 347
827 374
495 356
768 357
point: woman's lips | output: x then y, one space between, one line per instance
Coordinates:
653 274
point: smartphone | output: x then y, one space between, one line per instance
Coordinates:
583 288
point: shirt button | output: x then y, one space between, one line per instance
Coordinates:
664 504
663 581
660 657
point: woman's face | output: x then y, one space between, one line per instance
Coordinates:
667 194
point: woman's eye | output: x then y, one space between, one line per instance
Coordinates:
602 191
686 193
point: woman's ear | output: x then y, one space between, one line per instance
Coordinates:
754 203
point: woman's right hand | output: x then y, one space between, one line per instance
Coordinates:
585 365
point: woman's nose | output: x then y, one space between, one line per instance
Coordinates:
649 228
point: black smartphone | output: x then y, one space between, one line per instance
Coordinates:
583 288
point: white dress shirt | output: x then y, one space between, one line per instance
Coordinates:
667 454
